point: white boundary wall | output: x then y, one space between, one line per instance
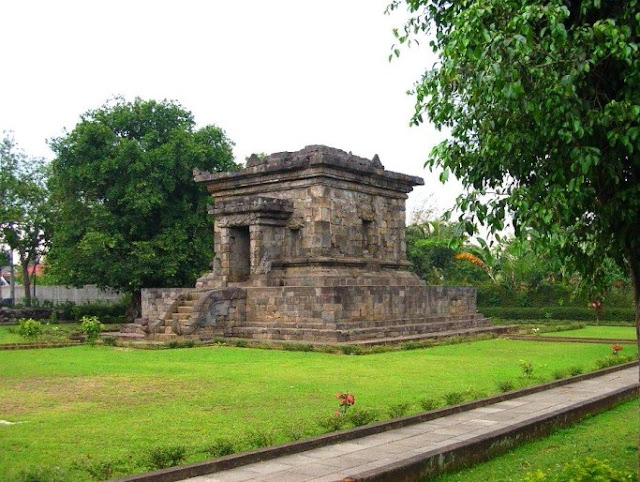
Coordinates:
60 294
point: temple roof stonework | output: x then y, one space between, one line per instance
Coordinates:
315 160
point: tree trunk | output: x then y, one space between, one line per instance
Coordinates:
634 270
26 282
135 307
634 265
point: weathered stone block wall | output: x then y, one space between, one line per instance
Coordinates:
338 304
156 301
331 221
362 224
220 308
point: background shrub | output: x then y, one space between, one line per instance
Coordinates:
572 313
111 313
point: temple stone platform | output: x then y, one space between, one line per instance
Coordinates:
309 246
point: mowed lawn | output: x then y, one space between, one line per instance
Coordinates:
604 332
82 405
607 436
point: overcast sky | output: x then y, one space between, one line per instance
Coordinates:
275 75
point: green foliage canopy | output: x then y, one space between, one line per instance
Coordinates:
542 101
129 214
25 211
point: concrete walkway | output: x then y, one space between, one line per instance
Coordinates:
391 454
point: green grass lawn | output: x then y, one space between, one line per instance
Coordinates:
606 332
84 405
8 335
607 436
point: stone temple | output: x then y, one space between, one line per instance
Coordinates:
309 246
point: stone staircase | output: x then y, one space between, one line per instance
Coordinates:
176 320
170 328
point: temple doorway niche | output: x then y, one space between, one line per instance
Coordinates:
294 243
369 238
239 253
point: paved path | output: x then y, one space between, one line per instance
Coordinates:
335 462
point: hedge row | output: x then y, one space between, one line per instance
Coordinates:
573 313
545 294
106 312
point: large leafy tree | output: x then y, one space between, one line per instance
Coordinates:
542 102
24 207
129 212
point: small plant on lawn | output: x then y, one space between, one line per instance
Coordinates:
43 474
350 350
30 329
615 349
362 416
506 386
338 419
297 347
576 370
535 331
221 447
346 400
527 368
596 306
474 394
100 470
398 410
165 457
296 431
332 423
611 361
411 345
581 470
91 328
427 404
559 374
258 439
110 341
454 398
